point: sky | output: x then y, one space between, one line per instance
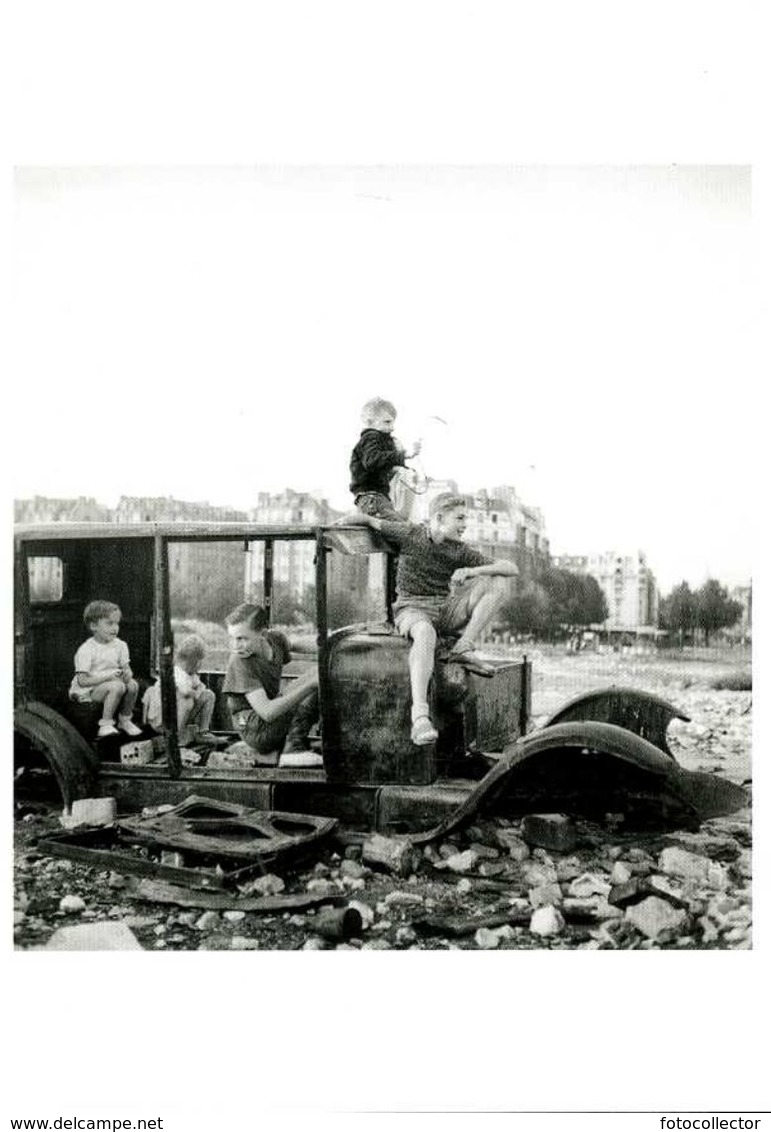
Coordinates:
579 332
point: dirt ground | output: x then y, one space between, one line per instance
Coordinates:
485 887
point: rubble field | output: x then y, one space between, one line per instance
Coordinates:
498 884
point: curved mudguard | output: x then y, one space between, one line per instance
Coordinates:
593 768
637 711
75 766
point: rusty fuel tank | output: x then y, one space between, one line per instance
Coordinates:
368 729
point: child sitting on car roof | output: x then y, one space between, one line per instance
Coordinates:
375 458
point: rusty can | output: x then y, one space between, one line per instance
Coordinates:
338 923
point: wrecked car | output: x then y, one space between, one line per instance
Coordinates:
603 752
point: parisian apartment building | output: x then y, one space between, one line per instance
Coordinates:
500 524
628 583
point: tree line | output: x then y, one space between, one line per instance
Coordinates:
684 611
559 602
556 602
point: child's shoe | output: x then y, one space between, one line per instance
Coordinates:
128 727
106 727
210 739
423 731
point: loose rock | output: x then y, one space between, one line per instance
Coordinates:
321 887
513 844
403 900
405 936
550 831
487 939
388 853
569 868
546 921
681 863
535 875
545 895
315 943
90 811
484 852
353 869
654 917
620 873
589 884
71 904
464 862
270 885
103 936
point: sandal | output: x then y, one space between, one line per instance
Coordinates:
423 731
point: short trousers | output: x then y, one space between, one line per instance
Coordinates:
448 615
379 505
264 738
290 731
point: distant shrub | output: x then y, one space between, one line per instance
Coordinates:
733 682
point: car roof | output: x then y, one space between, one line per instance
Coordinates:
175 530
348 540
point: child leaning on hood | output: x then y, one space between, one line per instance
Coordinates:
272 724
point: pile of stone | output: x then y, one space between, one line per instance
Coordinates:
545 881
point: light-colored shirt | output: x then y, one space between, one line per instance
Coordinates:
96 656
186 682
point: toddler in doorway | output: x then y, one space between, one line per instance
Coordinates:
102 670
195 702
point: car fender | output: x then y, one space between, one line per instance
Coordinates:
635 710
74 764
698 795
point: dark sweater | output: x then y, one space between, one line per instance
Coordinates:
426 567
373 461
248 673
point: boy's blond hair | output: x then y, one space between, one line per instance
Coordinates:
447 501
191 648
377 407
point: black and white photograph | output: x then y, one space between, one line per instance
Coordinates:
385 601
382 452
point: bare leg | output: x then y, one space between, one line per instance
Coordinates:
198 711
205 704
185 713
421 664
129 699
109 695
485 598
303 717
126 709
